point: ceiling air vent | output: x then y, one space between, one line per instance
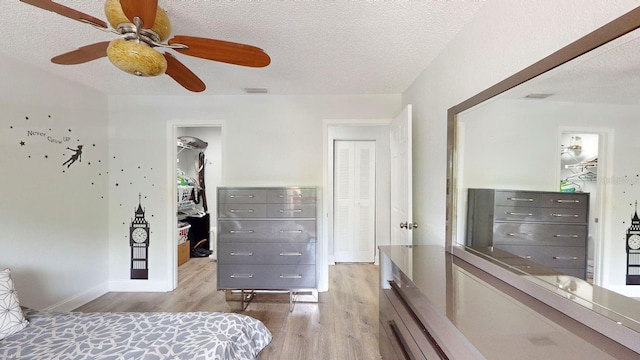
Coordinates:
256 90
538 96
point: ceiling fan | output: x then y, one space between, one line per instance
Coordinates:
143 26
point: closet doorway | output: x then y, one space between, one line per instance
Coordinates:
196 173
582 160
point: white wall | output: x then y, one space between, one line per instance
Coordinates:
503 38
268 140
53 218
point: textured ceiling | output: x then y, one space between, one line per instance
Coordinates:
316 47
607 75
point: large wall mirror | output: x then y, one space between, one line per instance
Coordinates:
567 125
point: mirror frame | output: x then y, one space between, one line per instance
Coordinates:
611 31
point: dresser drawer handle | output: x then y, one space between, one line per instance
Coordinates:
520 199
241 231
292 253
241 253
241 196
291 210
241 276
241 210
519 214
290 276
291 231
563 201
291 196
518 234
566 235
565 258
566 215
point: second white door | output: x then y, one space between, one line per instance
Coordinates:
354 201
401 179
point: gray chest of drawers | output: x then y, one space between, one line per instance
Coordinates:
549 228
267 238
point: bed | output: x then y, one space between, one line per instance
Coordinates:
123 335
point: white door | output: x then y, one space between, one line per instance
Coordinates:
354 201
401 179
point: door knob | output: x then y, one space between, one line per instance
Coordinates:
408 225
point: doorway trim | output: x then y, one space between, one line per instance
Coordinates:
602 209
172 187
328 176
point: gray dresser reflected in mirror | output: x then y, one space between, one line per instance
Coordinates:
547 228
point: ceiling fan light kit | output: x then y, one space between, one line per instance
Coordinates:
143 26
136 58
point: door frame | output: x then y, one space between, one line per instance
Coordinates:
172 187
328 175
602 209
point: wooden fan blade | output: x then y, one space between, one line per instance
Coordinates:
224 51
83 54
144 9
182 75
65 11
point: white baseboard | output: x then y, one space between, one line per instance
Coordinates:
138 286
80 299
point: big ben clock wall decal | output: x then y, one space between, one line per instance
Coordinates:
633 250
139 242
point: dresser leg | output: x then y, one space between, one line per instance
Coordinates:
246 296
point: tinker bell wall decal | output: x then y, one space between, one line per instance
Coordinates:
76 156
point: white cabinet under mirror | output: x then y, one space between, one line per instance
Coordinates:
509 137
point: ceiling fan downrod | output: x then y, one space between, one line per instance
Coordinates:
135 32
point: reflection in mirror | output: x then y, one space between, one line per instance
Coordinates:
543 170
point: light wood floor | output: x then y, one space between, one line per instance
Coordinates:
342 325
